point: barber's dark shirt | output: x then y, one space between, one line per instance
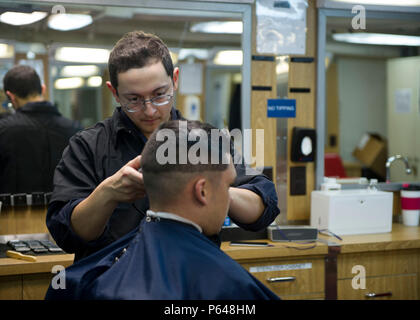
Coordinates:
31 144
99 152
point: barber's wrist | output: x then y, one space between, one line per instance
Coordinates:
106 192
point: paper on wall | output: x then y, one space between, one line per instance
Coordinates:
402 99
281 26
191 75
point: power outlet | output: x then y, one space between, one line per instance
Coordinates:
298 181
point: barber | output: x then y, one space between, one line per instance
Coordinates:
99 194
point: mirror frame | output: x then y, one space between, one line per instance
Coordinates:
327 9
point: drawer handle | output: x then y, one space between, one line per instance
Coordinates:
377 295
281 279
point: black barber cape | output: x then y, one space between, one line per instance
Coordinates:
163 259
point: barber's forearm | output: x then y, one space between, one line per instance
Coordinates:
245 206
90 216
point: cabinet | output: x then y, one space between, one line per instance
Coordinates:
380 266
292 271
360 267
379 275
22 280
291 279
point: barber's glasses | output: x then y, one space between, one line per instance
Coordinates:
137 104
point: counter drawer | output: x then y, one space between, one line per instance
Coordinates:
377 263
290 277
396 287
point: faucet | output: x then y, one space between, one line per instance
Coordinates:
391 160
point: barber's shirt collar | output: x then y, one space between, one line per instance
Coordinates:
121 122
171 216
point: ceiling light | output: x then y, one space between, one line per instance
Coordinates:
87 55
234 27
228 58
174 57
95 81
69 21
378 39
79 71
68 83
20 18
201 54
282 64
6 51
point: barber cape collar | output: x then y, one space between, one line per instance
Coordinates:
166 215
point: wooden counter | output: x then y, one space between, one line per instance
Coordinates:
401 237
390 262
291 270
369 266
380 266
9 266
278 250
23 280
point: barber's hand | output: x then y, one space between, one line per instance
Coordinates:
126 185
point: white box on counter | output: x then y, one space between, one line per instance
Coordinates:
358 211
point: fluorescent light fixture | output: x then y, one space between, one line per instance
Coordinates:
95 81
6 51
384 2
229 58
69 21
79 71
83 55
201 54
174 57
233 27
21 18
68 83
378 39
282 64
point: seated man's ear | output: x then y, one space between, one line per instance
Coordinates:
201 191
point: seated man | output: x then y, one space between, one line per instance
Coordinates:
170 255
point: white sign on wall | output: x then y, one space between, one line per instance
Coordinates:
191 78
281 26
402 99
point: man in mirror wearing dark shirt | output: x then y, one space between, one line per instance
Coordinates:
33 138
99 193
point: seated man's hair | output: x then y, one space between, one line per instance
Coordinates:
179 150
22 81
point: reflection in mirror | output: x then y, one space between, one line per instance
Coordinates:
372 102
72 60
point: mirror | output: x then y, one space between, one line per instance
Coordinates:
78 87
371 93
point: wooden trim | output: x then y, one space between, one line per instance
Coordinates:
331 273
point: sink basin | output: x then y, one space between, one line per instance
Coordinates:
356 211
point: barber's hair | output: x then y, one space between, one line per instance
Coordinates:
166 180
22 81
138 49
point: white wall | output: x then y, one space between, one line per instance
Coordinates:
404 127
218 93
362 101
